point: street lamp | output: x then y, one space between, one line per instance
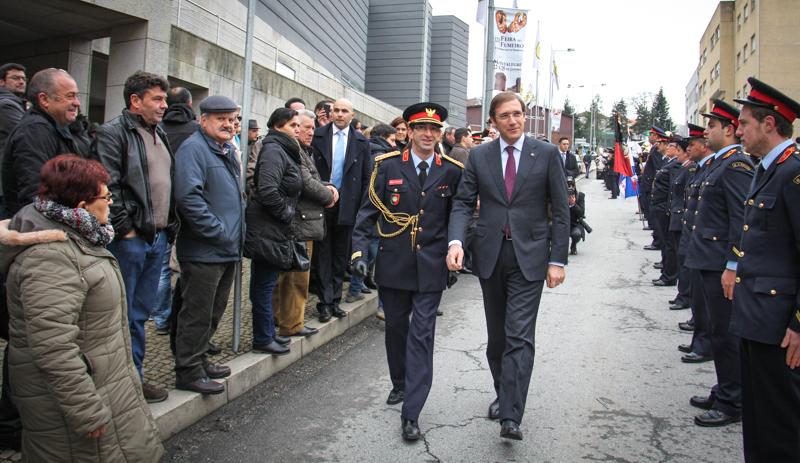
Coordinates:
593 131
549 131
573 114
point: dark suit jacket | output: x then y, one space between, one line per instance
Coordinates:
571 167
766 298
355 174
399 265
654 161
677 195
539 182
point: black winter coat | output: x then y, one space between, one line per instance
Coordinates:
277 184
34 141
179 123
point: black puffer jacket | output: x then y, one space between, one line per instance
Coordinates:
34 141
121 149
309 218
179 123
270 213
78 130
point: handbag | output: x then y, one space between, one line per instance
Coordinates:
301 262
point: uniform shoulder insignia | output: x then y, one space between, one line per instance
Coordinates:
453 161
797 180
732 151
789 151
387 155
741 164
692 169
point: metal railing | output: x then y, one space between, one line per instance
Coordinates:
206 24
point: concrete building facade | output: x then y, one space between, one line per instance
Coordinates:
692 89
311 50
749 38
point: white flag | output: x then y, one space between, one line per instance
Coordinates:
537 52
483 12
554 68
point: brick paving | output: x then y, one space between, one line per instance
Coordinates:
159 362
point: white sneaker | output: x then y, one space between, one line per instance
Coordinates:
380 314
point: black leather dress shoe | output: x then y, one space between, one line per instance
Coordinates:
202 386
662 283
369 282
715 418
466 270
494 409
282 340
439 312
410 430
510 430
702 402
686 326
324 315
650 247
678 307
395 397
672 301
647 228
306 331
215 372
365 290
693 357
658 265
339 313
213 350
685 348
272 348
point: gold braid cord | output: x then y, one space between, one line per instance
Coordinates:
401 219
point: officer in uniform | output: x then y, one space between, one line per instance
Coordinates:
677 204
717 233
766 305
410 196
654 160
700 348
659 206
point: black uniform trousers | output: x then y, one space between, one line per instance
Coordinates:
669 249
724 346
701 337
770 404
410 343
684 277
511 303
330 259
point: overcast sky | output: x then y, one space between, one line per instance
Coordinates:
631 46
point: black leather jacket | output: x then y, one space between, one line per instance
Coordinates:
120 148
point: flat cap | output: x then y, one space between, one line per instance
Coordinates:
218 104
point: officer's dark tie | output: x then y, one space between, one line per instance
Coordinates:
759 173
423 173
511 176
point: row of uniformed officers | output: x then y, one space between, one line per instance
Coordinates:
729 232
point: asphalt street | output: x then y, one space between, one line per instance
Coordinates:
607 383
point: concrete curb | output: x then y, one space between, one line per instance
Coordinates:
182 409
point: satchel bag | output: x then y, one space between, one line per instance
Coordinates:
301 262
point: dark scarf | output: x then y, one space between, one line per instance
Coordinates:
289 144
81 220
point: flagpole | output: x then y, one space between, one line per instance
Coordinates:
489 69
536 109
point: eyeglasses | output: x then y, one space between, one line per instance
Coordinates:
107 197
22 78
505 116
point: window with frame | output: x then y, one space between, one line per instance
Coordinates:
738 22
738 94
753 43
744 90
746 13
705 55
746 53
717 67
738 60
753 5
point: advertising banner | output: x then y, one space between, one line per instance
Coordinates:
509 44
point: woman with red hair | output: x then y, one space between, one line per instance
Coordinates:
72 374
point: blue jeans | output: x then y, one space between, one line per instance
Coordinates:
356 282
262 284
163 305
140 265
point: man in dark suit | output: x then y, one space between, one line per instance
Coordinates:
659 205
519 180
410 199
765 304
718 229
570 163
342 157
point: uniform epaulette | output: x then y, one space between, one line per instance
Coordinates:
733 150
789 151
453 161
387 155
